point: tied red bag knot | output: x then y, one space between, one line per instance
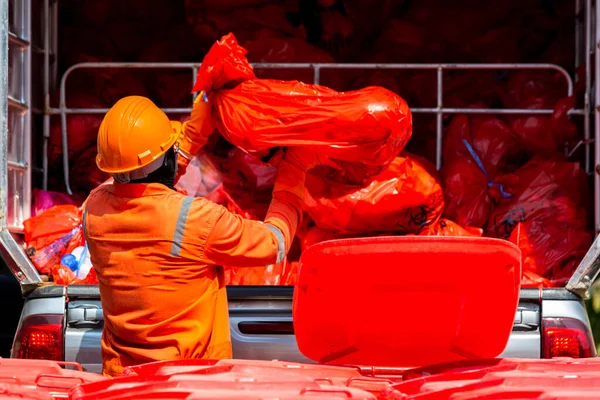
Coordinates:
491 183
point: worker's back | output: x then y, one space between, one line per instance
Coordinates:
160 300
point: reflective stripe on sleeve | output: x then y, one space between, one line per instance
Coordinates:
281 241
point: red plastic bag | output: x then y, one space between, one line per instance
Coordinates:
85 175
550 252
542 134
82 130
445 227
290 273
252 23
51 224
404 198
290 50
44 200
494 142
533 280
369 126
548 189
550 204
468 199
201 177
269 275
52 234
62 275
247 171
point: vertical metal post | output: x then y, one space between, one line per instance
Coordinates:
194 75
439 132
597 122
3 110
577 35
317 73
46 137
588 83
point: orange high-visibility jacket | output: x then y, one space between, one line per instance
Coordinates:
155 252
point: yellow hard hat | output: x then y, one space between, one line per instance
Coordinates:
134 134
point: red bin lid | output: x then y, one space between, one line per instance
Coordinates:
406 301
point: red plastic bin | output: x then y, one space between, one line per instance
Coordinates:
226 379
406 301
44 376
325 375
507 379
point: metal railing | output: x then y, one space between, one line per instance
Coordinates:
439 110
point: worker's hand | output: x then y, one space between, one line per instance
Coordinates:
197 129
303 158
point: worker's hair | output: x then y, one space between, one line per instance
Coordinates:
165 174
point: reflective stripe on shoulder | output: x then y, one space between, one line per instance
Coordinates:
180 225
281 241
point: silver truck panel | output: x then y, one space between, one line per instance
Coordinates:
565 309
525 340
84 323
264 342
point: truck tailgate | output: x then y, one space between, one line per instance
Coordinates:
260 319
262 328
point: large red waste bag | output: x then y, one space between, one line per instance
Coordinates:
82 129
52 234
252 23
78 44
494 142
524 86
533 280
84 174
445 227
201 177
404 198
291 50
543 134
44 200
269 275
550 252
369 126
536 90
222 5
290 274
469 191
550 206
544 188
62 275
403 41
247 171
471 88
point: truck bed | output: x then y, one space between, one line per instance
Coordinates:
261 320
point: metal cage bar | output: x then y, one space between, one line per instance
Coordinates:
439 111
14 256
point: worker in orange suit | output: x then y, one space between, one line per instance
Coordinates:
157 253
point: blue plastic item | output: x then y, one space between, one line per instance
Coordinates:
69 260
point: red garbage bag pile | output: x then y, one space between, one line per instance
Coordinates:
369 126
549 207
359 125
404 198
547 197
52 234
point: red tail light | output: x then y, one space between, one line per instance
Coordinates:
565 337
40 337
